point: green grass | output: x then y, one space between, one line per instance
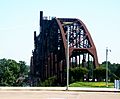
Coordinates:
92 84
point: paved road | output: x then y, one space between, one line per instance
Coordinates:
58 95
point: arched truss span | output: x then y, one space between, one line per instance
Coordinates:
80 40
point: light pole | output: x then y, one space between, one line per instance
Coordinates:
106 67
67 58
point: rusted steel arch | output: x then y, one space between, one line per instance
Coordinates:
91 50
62 33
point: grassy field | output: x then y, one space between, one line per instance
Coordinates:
92 84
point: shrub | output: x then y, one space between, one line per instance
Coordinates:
51 81
99 73
77 73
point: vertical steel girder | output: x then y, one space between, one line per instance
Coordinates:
49 55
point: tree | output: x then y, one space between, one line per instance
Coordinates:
99 73
23 68
10 71
117 72
77 73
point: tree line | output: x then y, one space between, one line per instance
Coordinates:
97 74
14 73
88 74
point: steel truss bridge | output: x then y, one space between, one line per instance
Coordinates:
50 46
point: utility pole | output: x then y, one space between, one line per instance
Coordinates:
106 67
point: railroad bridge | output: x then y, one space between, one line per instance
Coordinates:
50 46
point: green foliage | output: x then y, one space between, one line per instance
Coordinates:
23 68
99 73
117 72
10 72
51 81
77 73
114 70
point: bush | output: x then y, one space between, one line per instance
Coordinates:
99 73
51 81
77 73
117 73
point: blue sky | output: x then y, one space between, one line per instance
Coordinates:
20 18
